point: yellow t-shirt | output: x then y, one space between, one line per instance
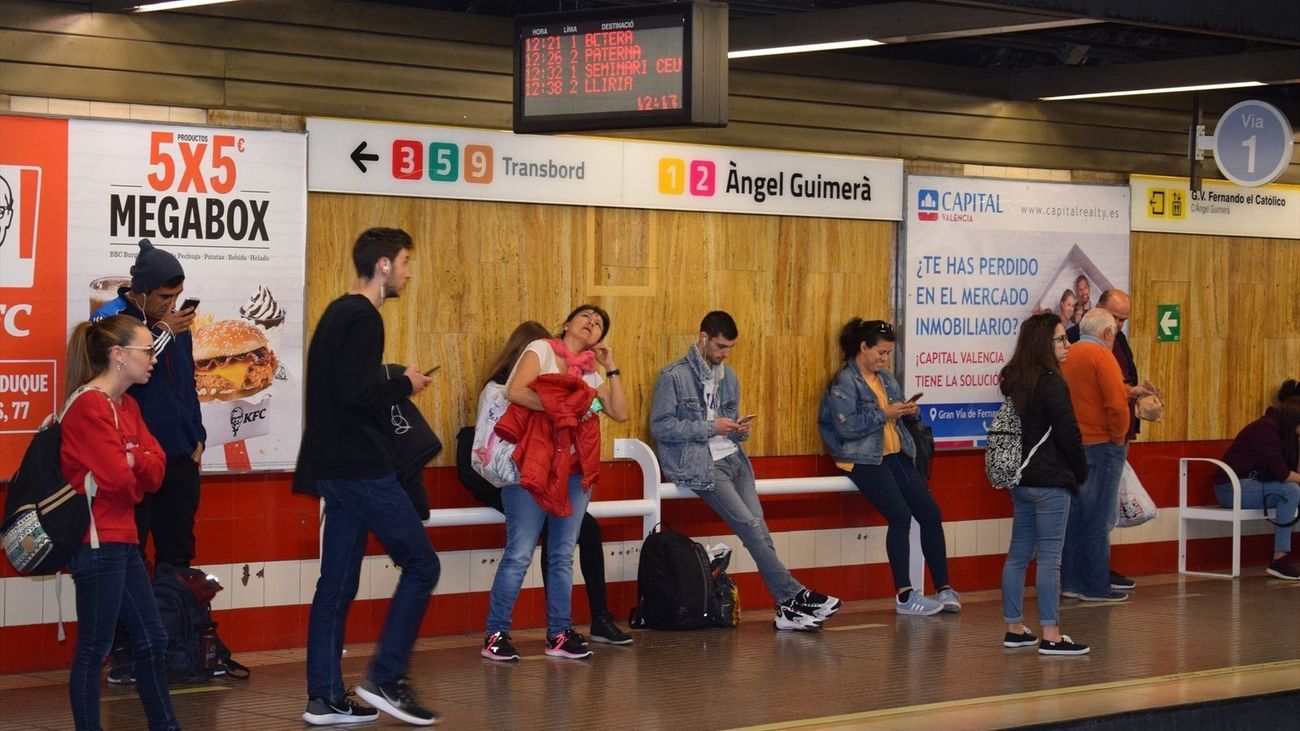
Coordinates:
893 444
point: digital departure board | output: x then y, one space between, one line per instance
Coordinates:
648 66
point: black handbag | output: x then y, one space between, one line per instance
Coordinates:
414 444
923 438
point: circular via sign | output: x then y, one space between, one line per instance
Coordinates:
1252 143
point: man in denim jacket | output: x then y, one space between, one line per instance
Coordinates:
694 420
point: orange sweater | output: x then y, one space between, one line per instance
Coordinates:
1097 392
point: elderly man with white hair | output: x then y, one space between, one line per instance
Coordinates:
1100 400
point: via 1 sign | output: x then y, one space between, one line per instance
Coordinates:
1169 323
1253 143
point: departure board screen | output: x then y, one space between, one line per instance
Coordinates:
614 68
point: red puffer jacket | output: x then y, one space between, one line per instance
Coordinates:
543 439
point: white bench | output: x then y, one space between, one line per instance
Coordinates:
1217 513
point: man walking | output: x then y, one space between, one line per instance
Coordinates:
347 458
1100 401
696 423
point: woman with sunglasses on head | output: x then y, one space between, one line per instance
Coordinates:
1051 475
859 421
577 351
109 453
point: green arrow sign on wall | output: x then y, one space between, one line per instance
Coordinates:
1169 323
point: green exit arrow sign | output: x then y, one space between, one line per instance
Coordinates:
1169 323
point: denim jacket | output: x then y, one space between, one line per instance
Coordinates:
851 420
679 420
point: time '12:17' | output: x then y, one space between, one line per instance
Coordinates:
663 101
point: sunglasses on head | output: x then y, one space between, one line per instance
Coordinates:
879 326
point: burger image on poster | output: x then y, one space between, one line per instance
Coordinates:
232 360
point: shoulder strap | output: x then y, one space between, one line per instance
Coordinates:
90 487
1030 456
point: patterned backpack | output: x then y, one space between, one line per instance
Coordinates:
1002 450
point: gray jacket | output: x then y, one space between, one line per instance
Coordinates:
679 421
851 420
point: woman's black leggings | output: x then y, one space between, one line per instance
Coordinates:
899 492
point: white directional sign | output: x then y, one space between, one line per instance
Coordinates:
1252 143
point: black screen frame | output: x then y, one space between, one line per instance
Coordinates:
593 121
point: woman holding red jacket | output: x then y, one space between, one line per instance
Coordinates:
577 352
109 454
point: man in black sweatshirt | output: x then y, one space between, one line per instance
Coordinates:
347 458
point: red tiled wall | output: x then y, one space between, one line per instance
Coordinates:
253 518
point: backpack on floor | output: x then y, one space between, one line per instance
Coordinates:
724 595
1003 448
195 653
673 583
45 519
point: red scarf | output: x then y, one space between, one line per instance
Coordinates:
579 363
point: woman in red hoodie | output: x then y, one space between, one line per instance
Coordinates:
109 454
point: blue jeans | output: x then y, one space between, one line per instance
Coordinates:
353 509
112 584
524 520
1037 527
1283 497
900 493
735 499
1085 568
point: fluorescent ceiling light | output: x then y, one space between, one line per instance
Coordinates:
175 4
1164 90
806 48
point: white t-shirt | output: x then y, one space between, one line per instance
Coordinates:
550 364
719 446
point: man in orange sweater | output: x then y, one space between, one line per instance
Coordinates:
1100 401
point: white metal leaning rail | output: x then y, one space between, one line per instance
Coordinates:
653 492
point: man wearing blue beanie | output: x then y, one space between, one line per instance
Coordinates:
170 406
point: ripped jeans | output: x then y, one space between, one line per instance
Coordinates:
735 500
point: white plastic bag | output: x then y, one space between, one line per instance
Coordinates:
1135 505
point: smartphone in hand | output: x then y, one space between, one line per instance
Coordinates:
916 397
432 370
190 303
747 418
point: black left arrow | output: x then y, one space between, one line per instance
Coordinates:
359 155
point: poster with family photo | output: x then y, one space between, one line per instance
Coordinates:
983 255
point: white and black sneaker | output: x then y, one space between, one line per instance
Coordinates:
1023 638
1065 646
322 712
397 700
790 617
815 603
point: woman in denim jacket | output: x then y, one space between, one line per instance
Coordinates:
858 420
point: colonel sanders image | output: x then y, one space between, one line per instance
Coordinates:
6 209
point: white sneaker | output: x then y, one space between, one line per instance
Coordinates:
789 618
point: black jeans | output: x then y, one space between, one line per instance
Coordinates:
899 492
169 513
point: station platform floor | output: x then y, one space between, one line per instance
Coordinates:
1178 640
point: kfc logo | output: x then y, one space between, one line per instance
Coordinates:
20 191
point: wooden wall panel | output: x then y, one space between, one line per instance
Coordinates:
1240 332
481 268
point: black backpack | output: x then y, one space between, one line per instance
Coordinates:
45 519
673 583
194 651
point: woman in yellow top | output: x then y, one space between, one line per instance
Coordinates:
859 422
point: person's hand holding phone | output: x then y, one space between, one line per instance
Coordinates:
178 321
725 427
899 409
418 379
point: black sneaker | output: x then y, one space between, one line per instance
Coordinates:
397 700
1025 638
1280 567
1114 596
497 646
790 616
818 605
121 674
1065 647
1121 582
322 712
568 644
603 629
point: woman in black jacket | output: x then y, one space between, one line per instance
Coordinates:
1053 471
